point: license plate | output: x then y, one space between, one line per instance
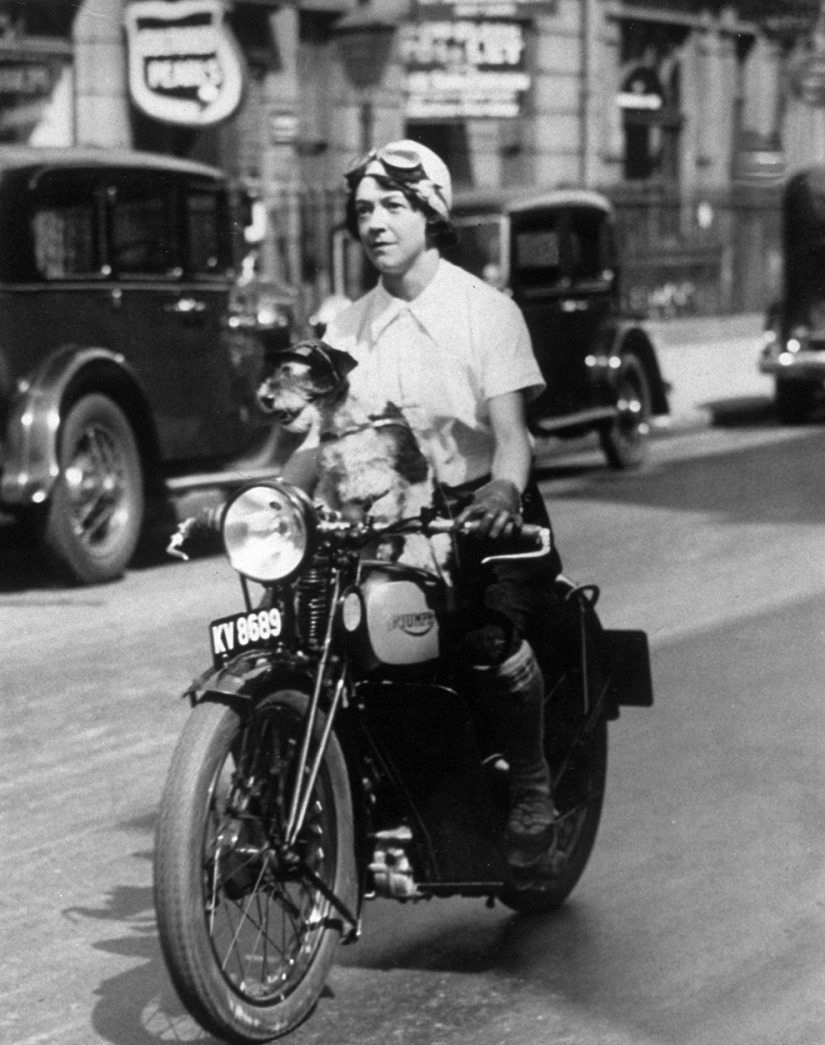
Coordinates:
256 629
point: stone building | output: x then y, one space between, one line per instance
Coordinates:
645 99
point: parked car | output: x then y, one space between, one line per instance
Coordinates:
556 255
793 349
130 352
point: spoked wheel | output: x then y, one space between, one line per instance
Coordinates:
95 511
624 440
246 924
578 761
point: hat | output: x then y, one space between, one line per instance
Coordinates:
318 355
414 166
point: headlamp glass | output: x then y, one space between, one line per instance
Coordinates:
268 531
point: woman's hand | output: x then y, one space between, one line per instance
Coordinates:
495 510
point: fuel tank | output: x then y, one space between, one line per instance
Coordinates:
394 616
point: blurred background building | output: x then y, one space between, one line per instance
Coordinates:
687 113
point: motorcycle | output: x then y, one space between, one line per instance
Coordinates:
335 753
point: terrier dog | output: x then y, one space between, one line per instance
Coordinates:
367 463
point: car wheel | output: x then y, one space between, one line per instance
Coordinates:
793 400
624 439
95 512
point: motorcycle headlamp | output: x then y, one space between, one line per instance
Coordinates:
268 531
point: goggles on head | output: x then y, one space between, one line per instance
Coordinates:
402 164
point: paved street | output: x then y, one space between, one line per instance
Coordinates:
700 918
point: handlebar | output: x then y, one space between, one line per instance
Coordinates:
359 533
539 535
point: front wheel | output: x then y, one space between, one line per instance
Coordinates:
245 921
624 439
95 512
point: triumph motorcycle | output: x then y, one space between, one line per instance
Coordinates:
336 752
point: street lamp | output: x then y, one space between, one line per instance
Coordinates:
365 38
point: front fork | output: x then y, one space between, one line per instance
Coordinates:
309 766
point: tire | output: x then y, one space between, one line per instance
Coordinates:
624 439
249 979
578 793
793 400
95 512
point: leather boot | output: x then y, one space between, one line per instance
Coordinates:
517 689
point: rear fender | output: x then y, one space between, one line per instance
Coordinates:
31 463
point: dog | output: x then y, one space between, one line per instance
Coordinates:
366 463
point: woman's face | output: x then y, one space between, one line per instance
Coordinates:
393 232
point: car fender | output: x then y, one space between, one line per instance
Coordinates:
30 462
628 337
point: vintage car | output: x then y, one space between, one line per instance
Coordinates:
130 348
556 255
793 349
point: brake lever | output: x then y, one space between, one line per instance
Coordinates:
176 541
541 532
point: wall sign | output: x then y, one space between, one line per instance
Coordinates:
440 10
463 69
185 66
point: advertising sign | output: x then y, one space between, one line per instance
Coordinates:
185 66
439 10
463 69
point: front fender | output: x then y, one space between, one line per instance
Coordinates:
246 679
31 465
629 337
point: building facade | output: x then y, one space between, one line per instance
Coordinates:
675 99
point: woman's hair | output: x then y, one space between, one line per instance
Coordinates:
440 232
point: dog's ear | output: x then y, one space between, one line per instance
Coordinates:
340 361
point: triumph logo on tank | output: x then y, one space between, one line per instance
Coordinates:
185 66
413 623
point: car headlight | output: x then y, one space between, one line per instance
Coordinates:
268 531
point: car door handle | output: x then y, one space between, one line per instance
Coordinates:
574 305
186 307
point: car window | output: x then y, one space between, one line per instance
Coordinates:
536 254
589 245
206 248
66 227
143 240
479 247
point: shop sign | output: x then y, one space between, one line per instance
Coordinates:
185 66
642 90
463 69
440 10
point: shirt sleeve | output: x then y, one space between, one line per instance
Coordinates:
508 363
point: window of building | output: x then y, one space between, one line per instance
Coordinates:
649 98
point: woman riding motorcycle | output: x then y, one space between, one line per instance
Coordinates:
456 357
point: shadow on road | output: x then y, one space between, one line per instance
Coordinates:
139 1006
742 412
